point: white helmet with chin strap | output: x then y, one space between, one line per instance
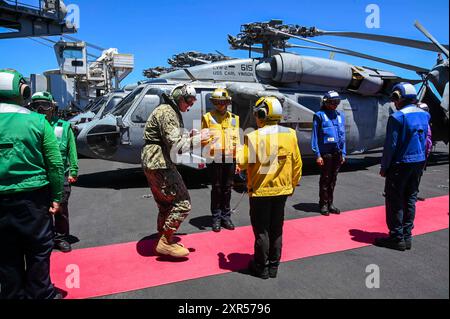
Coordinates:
185 91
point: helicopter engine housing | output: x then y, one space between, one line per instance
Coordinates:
290 68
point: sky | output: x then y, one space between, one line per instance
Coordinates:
155 30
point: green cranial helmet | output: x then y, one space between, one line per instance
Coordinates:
42 102
13 85
42 96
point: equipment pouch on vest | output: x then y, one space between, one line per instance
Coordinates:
331 132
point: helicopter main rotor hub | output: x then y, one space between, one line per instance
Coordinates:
265 33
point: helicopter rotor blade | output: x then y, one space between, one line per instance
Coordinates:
383 38
220 53
201 61
432 39
397 79
358 54
245 47
297 46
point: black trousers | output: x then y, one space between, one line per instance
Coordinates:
402 187
328 177
26 243
62 228
222 176
267 218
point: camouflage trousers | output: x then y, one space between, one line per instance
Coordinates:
172 198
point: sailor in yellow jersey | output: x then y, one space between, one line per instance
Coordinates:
273 162
224 129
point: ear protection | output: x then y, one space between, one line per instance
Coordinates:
261 109
396 96
261 113
25 90
13 85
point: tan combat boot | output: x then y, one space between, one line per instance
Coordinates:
166 247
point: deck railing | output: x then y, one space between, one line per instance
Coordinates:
36 9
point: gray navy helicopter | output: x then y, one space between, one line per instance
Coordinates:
298 81
185 60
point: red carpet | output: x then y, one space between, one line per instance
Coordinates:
132 266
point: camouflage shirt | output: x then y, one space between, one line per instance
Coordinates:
164 134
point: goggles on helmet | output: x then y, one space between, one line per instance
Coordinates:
42 106
334 102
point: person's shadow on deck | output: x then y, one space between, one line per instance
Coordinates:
365 237
235 262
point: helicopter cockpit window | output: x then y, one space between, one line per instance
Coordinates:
89 105
93 104
123 107
113 103
145 108
99 105
314 103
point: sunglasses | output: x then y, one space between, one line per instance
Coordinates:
221 103
190 100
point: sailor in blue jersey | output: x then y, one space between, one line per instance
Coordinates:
402 165
328 144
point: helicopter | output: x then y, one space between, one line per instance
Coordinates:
98 107
298 81
185 60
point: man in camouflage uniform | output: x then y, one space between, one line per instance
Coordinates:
164 138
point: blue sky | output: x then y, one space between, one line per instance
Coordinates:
155 30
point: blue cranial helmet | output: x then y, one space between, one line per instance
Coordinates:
332 97
404 90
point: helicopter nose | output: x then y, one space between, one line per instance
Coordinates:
103 140
81 140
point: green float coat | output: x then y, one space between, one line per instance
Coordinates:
67 146
29 158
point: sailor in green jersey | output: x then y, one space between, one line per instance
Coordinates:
31 184
43 103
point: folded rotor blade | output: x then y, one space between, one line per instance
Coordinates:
432 39
358 54
384 38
